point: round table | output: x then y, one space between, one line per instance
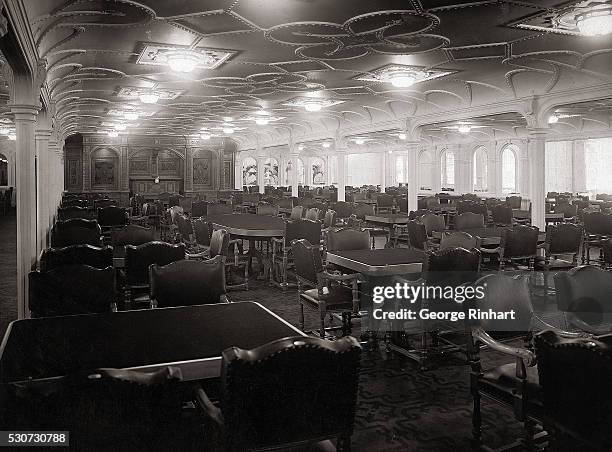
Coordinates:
253 228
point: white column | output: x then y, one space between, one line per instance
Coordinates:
341 157
43 193
293 174
307 170
383 172
237 174
579 167
261 158
25 123
537 192
412 177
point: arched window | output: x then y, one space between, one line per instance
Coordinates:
249 171
425 171
509 174
318 171
400 161
480 170
447 170
271 172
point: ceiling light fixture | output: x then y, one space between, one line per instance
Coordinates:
301 147
227 118
326 145
130 115
120 126
149 98
402 136
402 79
597 22
262 121
313 106
183 60
360 141
113 133
205 136
5 131
390 152
12 136
553 119
228 130
464 128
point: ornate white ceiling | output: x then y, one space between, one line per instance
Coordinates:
267 54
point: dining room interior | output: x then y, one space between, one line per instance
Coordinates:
306 225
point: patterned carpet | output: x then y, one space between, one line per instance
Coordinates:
400 408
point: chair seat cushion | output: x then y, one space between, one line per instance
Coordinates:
503 381
336 297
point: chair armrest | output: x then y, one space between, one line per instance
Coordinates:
528 357
489 251
208 407
202 255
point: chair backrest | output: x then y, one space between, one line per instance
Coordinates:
214 208
71 289
70 212
471 206
431 202
101 203
502 293
363 210
469 220
514 201
520 242
266 209
185 227
186 204
459 239
502 214
297 213
76 231
312 214
92 256
173 200
308 383
198 209
348 239
585 289
219 243
203 231
433 223
343 209
303 229
416 214
132 234
568 210
139 258
402 203
598 223
417 234
188 282
575 376
384 201
563 238
451 267
112 216
75 202
308 261
330 218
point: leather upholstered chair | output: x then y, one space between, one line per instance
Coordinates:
282 255
583 294
202 230
562 240
291 392
130 235
384 203
266 209
326 292
139 258
345 239
222 245
518 244
312 214
76 232
469 220
501 215
297 212
597 227
70 290
360 213
112 217
185 232
472 207
514 202
515 383
343 210
92 256
188 282
576 384
433 223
